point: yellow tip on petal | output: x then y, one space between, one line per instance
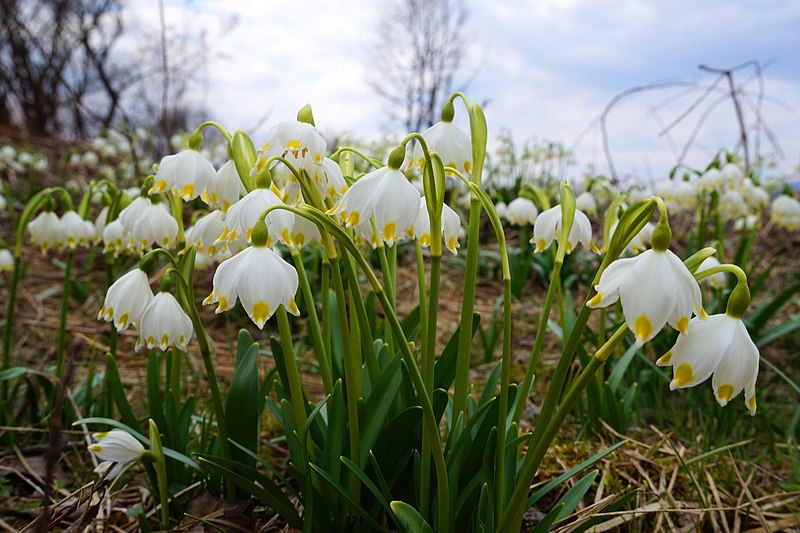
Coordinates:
683 324
541 244
95 448
293 307
260 312
665 359
467 166
425 240
389 231
683 376
286 236
352 219
643 328
596 299
703 314
724 394
223 304
187 190
751 403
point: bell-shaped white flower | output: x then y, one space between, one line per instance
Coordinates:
502 210
452 145
718 280
75 231
100 224
243 215
187 174
654 287
731 176
384 194
711 180
6 260
304 232
421 227
521 211
298 142
157 226
786 212
258 277
117 449
586 202
164 323
46 230
113 237
329 180
720 345
732 205
548 226
204 233
126 299
225 188
748 223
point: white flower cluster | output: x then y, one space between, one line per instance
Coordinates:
22 161
48 230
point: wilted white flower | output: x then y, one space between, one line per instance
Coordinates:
421 227
164 323
117 449
126 299
548 225
720 345
521 211
187 174
654 287
260 279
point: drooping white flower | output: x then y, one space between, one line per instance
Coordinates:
126 299
260 279
586 202
721 345
452 145
384 194
187 174
731 176
46 230
6 260
679 196
204 233
329 180
155 225
225 188
521 211
421 227
748 223
304 232
732 205
113 237
502 209
300 143
117 449
711 180
548 226
75 231
164 323
718 280
243 215
100 224
655 288
786 212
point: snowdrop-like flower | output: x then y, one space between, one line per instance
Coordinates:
502 209
258 277
329 180
452 145
732 205
731 176
75 231
720 345
46 230
205 232
113 237
654 287
100 223
710 181
6 260
126 299
225 188
243 215
586 202
748 223
298 142
548 225
117 449
385 194
786 212
521 211
718 280
155 225
679 196
421 227
90 159
164 323
187 174
304 232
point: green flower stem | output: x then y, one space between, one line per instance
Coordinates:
326 307
175 356
423 296
157 453
512 518
16 275
357 303
292 372
428 359
216 125
345 149
113 335
701 219
62 322
322 354
387 283
533 360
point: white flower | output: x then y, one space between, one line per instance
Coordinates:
155 225
384 194
710 181
586 203
548 226
421 227
117 449
298 142
329 180
75 231
187 174
205 232
260 278
732 205
225 188
6 260
304 232
126 299
678 196
164 323
748 223
720 345
243 215
45 230
452 145
717 280
100 223
786 212
113 234
654 287
731 176
521 211
640 241
502 209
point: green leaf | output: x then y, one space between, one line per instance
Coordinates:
615 377
377 406
367 482
335 432
409 518
154 398
344 495
243 344
573 497
19 371
241 405
268 493
445 368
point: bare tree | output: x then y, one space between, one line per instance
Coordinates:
420 51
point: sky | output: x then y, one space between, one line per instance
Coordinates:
545 69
